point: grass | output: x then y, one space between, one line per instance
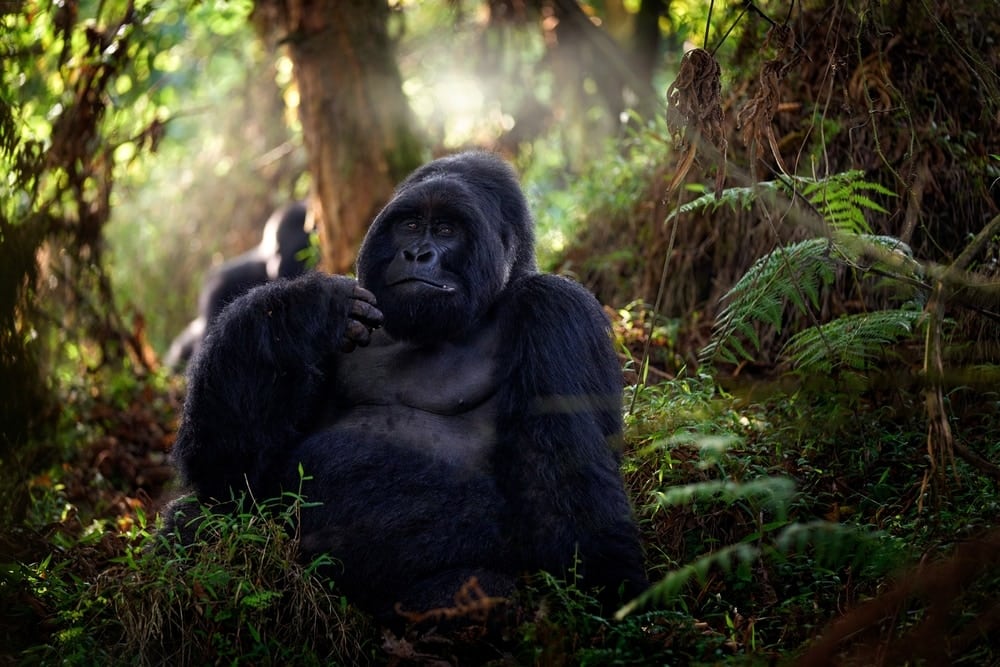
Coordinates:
238 593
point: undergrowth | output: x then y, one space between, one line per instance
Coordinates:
238 593
767 518
764 518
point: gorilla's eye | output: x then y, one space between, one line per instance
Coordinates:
444 229
411 225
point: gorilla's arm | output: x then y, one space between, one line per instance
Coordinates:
229 281
257 381
187 342
561 428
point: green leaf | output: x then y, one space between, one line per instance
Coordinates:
851 341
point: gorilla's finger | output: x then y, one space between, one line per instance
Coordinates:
361 294
366 313
357 333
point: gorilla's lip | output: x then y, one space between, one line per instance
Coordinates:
423 281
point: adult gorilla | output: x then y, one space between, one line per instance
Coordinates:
474 432
276 256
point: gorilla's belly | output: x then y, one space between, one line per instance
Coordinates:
463 440
437 399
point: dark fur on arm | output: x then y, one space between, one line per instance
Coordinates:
256 383
559 456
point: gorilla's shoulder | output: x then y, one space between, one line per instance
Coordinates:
552 296
553 321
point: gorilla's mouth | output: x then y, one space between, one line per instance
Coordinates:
441 287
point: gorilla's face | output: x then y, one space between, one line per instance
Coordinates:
424 248
443 250
427 260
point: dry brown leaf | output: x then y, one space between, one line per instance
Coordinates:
694 111
755 118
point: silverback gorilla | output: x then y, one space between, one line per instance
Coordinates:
459 413
276 256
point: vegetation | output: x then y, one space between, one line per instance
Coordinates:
806 307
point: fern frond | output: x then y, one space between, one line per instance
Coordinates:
774 493
842 199
829 544
836 545
851 340
675 581
734 198
793 274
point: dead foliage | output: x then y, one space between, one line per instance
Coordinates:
124 466
754 119
694 113
471 604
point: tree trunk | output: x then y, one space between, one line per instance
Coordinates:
355 119
647 37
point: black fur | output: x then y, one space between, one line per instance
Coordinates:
275 257
477 434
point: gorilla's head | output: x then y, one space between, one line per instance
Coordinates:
441 252
285 236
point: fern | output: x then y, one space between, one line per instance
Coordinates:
840 199
675 581
792 274
773 493
795 275
830 545
851 340
734 198
833 545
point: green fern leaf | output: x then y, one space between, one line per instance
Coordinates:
675 581
734 198
836 545
862 201
793 274
775 493
841 199
850 341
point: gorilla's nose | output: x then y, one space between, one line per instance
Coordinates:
420 255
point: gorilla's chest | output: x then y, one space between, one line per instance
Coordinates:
438 399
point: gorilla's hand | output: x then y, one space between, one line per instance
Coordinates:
362 317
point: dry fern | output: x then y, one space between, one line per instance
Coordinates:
754 119
694 112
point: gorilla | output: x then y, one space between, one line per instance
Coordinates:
455 413
275 257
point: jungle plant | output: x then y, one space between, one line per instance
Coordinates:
237 592
794 277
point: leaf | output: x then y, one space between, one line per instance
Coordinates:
781 277
675 581
851 340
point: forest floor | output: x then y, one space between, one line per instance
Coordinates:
770 518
